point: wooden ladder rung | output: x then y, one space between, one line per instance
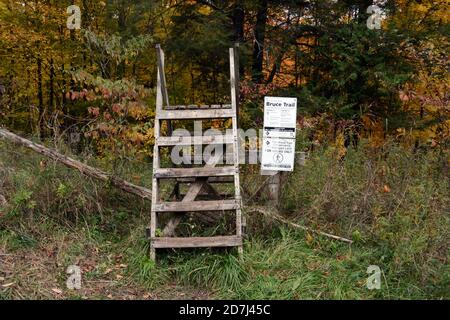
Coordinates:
197 242
210 205
195 114
191 140
223 195
194 172
210 180
202 107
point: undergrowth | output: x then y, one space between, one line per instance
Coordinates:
392 202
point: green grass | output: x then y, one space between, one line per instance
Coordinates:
55 217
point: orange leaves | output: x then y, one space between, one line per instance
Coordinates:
386 189
403 96
434 143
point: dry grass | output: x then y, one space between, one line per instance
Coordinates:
52 217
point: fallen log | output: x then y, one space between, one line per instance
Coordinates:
277 217
90 171
74 164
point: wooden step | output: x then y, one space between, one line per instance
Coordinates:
168 173
211 205
202 107
210 180
197 242
190 140
195 114
207 196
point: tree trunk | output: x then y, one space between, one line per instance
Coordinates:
122 24
277 65
258 47
238 26
362 10
40 98
51 93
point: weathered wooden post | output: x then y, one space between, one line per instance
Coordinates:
274 189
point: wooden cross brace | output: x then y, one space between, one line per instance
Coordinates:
191 195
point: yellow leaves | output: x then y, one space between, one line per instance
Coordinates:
309 238
137 111
205 10
339 146
149 136
42 165
400 132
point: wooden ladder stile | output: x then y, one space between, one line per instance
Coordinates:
199 179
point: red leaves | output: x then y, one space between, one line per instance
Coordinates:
117 108
107 116
106 93
94 111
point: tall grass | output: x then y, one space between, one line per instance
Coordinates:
393 202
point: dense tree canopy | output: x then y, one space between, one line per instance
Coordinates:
101 79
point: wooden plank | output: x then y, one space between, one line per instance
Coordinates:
206 158
212 205
197 242
156 158
162 75
237 78
210 180
199 107
163 84
177 107
194 172
195 114
207 194
189 140
234 107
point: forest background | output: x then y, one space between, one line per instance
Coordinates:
373 118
